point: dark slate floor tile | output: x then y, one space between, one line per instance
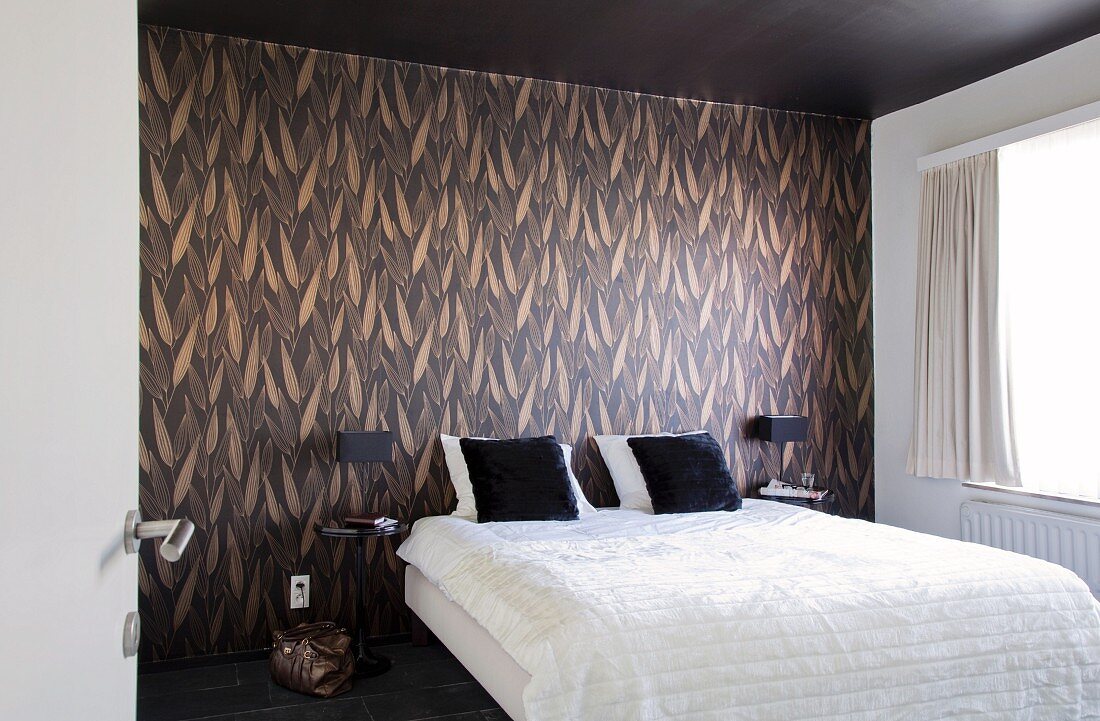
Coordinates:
408 676
192 679
425 682
182 705
337 709
402 677
429 703
285 697
253 672
491 715
407 653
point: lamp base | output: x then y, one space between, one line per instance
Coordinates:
369 664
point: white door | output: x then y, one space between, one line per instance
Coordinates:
68 356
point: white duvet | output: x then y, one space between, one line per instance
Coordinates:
770 612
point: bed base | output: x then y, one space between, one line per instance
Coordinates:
433 614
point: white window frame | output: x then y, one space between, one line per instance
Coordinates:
1051 124
1027 131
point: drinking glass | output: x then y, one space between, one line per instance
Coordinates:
807 481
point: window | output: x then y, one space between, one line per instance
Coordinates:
1049 242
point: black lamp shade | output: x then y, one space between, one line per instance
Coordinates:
782 429
364 446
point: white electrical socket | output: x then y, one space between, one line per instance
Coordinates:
299 597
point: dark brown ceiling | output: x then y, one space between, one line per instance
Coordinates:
860 58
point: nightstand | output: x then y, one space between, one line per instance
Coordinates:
366 662
824 505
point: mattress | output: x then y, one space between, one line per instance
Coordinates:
771 612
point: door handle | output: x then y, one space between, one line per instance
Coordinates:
131 634
176 533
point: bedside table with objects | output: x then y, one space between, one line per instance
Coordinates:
367 663
824 505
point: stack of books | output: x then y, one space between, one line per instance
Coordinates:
779 489
370 520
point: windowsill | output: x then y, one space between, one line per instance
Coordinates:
1080 500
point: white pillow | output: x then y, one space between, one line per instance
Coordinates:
460 477
624 469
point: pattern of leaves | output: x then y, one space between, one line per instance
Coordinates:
337 242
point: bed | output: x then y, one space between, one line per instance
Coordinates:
770 612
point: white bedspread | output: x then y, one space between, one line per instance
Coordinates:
768 613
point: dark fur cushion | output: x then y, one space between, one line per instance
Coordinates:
685 474
522 479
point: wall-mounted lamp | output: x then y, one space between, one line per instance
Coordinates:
364 446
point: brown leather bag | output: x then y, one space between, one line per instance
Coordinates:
314 659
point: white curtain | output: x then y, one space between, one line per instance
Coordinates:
962 421
1050 259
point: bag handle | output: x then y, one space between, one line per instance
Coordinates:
304 632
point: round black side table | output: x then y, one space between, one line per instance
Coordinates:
367 663
825 505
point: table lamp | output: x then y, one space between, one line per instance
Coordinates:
364 446
781 430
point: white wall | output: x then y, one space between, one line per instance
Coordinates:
68 355
1051 84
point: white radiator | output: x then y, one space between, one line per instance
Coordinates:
1070 541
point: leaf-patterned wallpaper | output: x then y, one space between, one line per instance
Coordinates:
337 242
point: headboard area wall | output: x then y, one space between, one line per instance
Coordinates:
332 242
